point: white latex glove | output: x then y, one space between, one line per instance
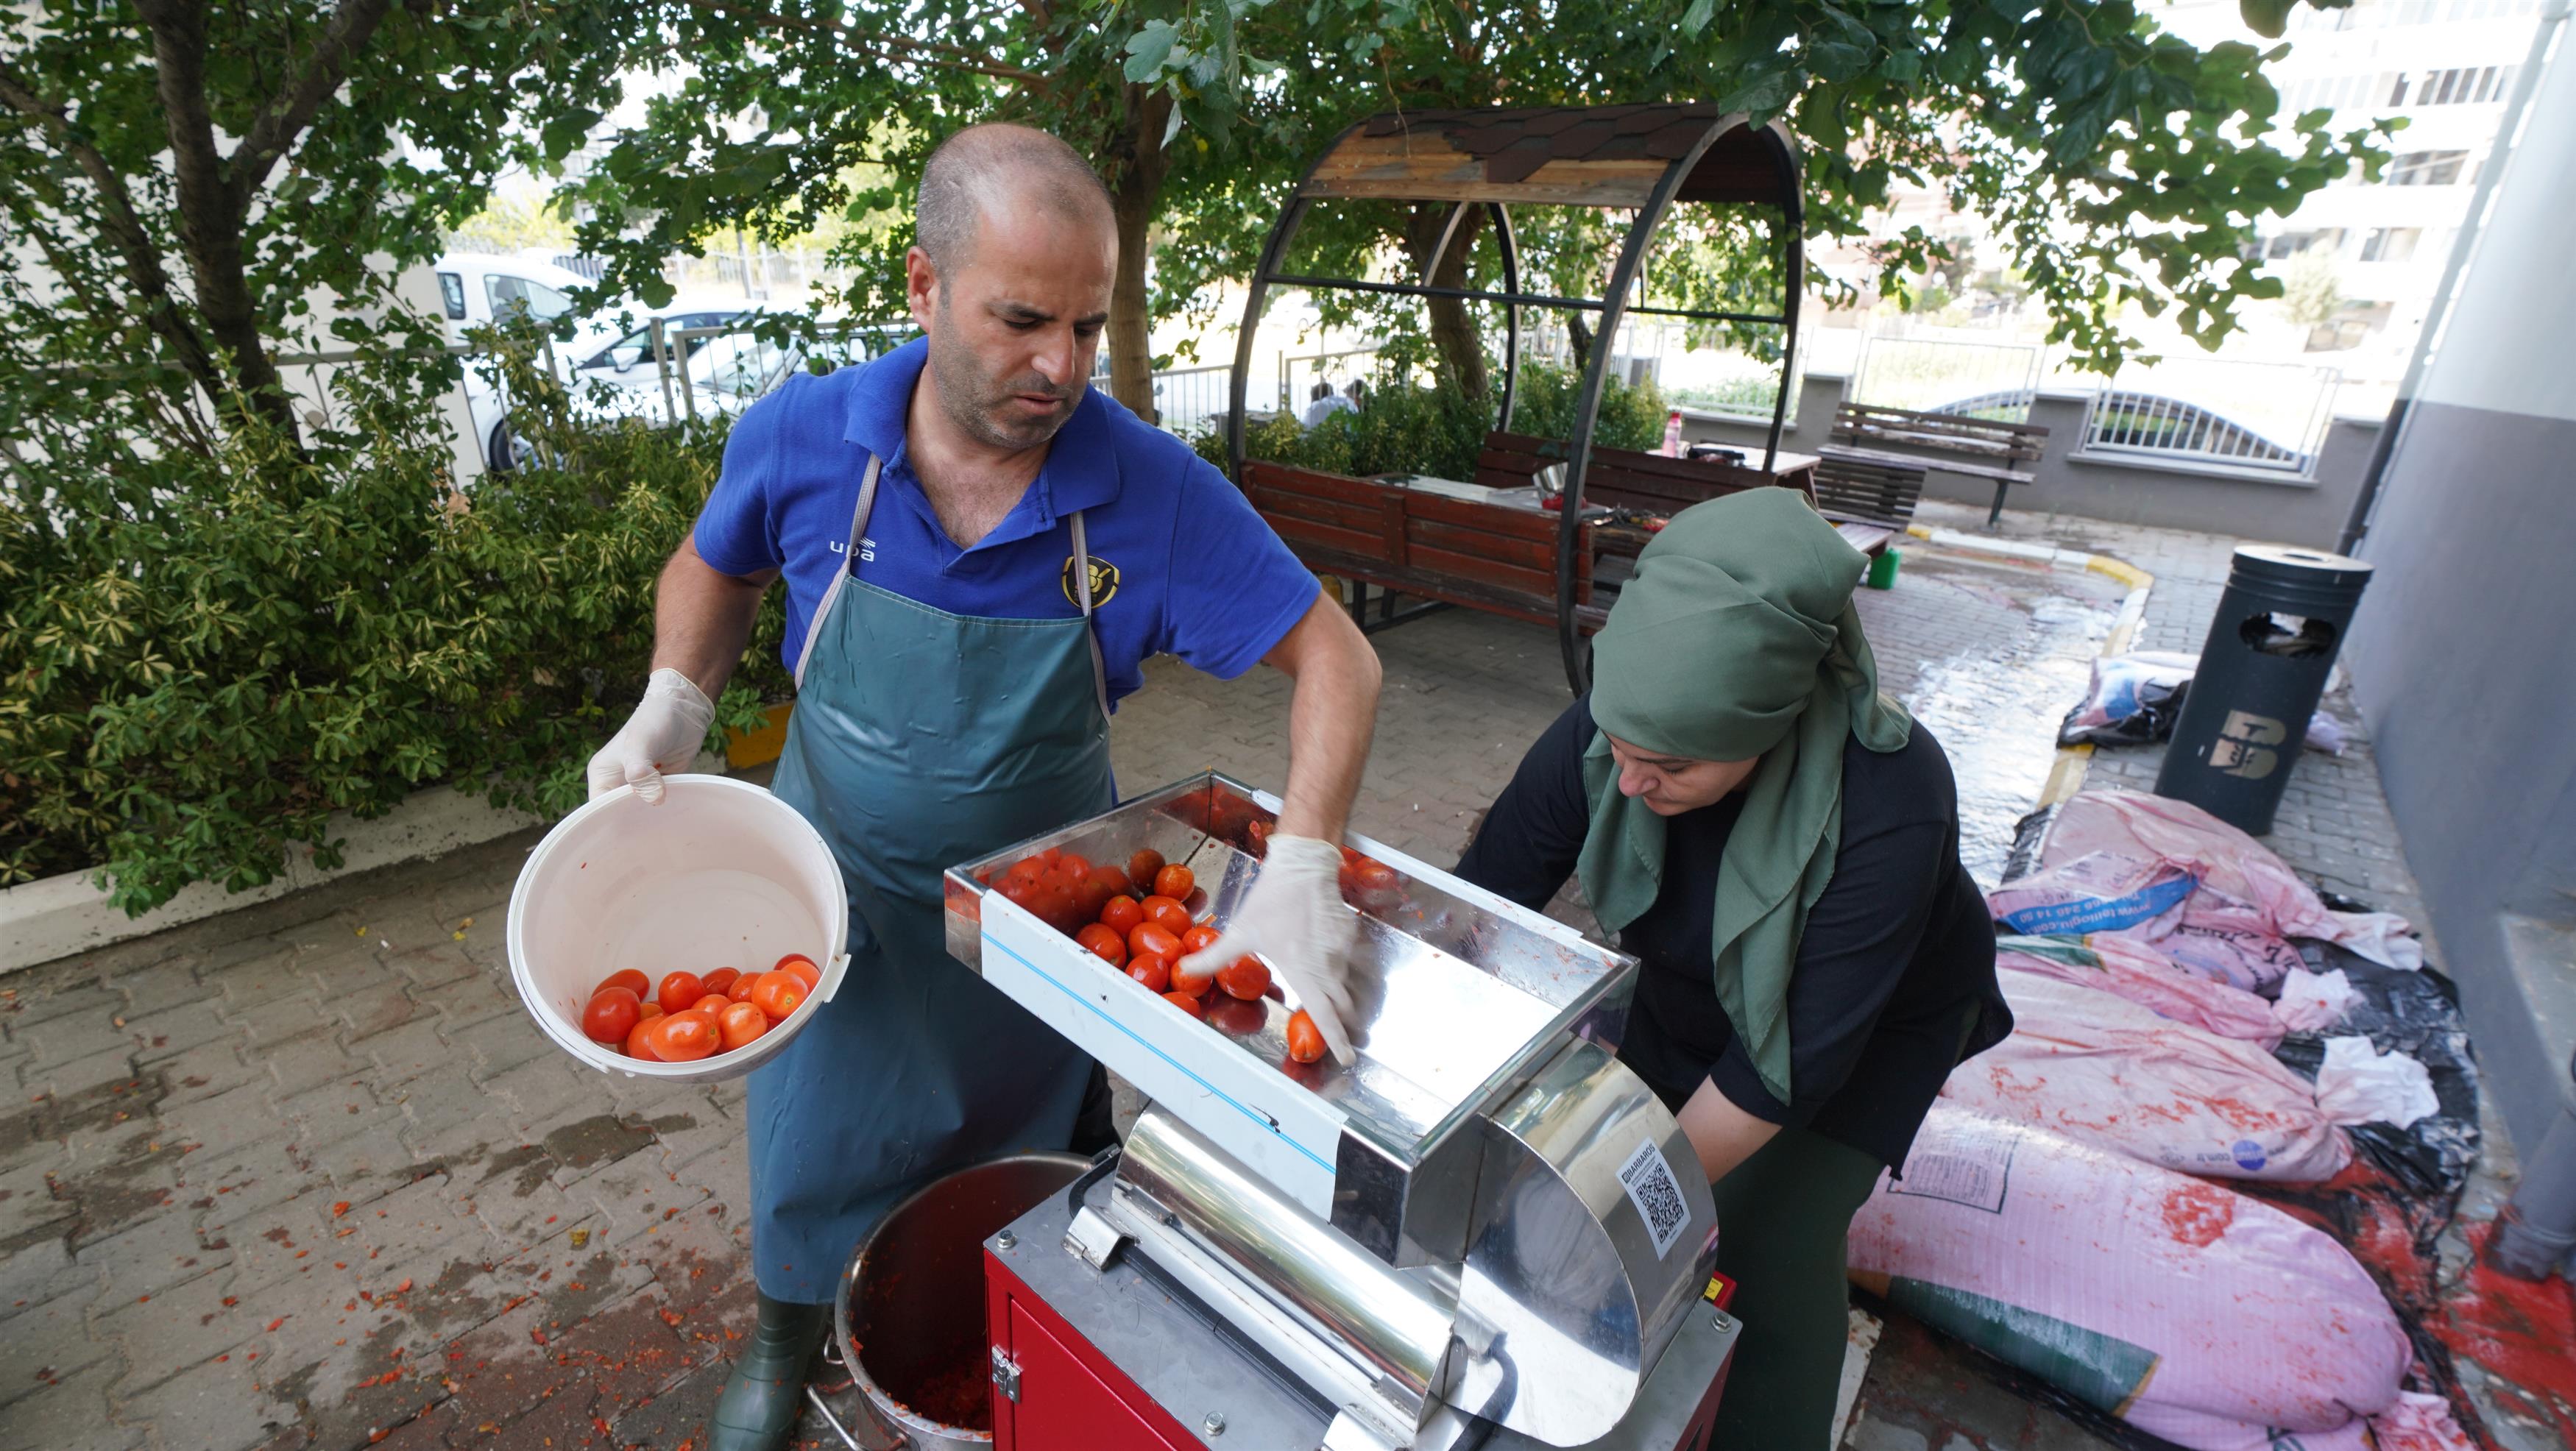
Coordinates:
664 734
1295 919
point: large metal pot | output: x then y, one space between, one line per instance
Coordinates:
910 1316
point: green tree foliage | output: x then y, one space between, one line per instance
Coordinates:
195 675
198 177
235 599
2120 164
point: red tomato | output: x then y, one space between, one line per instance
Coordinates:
1257 838
740 1024
1113 877
683 1037
1368 883
719 983
1154 939
1154 972
1174 882
804 968
647 1011
1186 1003
1074 865
709 1006
1051 905
627 978
1305 1040
611 1015
681 991
1200 938
1106 942
639 1043
1195 982
1142 866
778 994
741 990
1169 914
1121 915
1245 977
1233 1015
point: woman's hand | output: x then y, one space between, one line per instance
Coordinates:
1720 1133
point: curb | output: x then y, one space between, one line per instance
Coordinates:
2066 776
63 916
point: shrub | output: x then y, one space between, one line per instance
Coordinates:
1404 428
203 654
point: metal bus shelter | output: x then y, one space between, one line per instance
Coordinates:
1639 158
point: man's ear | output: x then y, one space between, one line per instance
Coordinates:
921 286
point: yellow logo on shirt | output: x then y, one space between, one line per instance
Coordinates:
1104 582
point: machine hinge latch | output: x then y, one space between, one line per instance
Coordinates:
1006 1375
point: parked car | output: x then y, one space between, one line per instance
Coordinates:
613 348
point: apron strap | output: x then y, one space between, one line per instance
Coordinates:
1082 576
849 565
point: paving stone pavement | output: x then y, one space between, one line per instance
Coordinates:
306 1176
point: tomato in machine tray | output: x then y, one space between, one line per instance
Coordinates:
1138 920
694 1017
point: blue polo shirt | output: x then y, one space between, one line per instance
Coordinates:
1181 563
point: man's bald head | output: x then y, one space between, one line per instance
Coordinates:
996 169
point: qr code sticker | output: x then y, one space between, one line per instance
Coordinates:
1658 1196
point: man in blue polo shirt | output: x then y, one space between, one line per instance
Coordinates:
979 554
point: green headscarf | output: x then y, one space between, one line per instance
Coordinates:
1737 638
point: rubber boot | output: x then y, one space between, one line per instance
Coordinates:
767 1388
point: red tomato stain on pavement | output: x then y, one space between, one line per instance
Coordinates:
2520 1331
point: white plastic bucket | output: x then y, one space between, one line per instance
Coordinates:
718 874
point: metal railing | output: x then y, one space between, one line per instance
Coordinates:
2267 416
1948 375
1186 398
1299 373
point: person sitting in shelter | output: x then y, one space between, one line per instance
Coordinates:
1323 404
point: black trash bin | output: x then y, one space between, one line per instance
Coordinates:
2270 648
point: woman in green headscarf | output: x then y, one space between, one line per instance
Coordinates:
1778 844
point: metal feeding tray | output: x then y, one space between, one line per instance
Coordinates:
1478 995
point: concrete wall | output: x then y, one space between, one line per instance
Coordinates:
2463 655
2246 503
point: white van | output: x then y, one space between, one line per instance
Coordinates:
476 290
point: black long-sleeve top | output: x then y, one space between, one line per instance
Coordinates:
1895 978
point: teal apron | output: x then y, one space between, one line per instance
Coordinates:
921 739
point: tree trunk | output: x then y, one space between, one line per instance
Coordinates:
210 214
1137 166
1454 333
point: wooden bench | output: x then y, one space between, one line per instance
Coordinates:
1866 498
1650 483
1983 448
1491 557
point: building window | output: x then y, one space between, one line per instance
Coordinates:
2337 93
2426 168
2291 244
2390 244
2464 86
